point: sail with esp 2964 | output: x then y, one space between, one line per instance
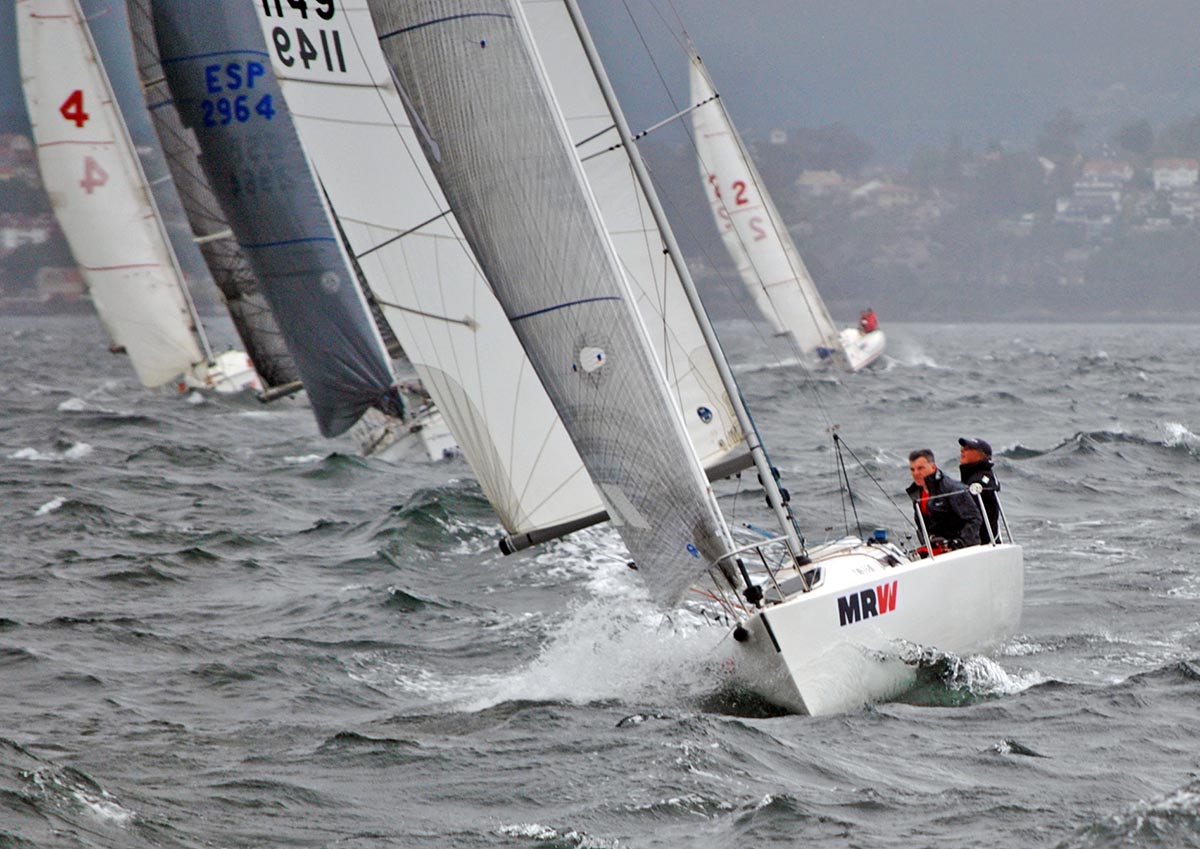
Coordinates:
219 74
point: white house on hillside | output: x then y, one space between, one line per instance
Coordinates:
1175 173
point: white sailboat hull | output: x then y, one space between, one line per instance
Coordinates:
862 349
832 650
424 437
229 372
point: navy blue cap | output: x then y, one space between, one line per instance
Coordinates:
977 444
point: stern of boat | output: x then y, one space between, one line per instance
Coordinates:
227 373
862 349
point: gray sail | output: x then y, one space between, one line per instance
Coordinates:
219 75
230 269
501 152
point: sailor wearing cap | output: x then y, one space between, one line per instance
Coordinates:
975 466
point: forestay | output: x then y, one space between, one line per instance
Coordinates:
752 229
502 154
230 269
96 187
219 73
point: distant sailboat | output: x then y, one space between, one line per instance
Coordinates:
503 154
759 243
257 167
106 209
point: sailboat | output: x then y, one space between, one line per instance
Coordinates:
759 243
472 80
107 212
257 168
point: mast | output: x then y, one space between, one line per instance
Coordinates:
197 327
757 452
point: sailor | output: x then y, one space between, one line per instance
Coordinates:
950 515
975 466
868 321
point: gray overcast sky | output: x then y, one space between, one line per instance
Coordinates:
898 73
906 73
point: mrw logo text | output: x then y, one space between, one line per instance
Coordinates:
873 601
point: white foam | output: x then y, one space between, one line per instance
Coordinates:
545 834
50 506
196 398
1185 800
76 451
73 405
603 650
32 454
907 353
1017 648
101 805
303 459
531 830
104 807
982 676
1175 434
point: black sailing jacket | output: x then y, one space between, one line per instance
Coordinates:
955 517
982 474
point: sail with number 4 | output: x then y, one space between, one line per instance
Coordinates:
99 194
410 247
219 74
752 229
227 263
503 156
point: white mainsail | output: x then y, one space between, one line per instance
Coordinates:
502 153
751 228
99 194
433 293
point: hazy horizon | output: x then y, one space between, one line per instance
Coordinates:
899 75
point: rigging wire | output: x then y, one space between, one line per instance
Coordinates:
837 441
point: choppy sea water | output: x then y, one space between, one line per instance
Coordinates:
219 630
